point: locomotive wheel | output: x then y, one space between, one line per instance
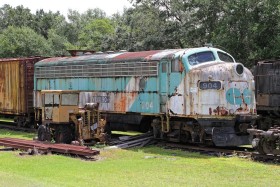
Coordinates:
42 133
63 134
264 147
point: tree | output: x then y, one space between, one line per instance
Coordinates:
248 29
22 42
145 28
18 17
77 22
176 19
58 43
95 33
44 21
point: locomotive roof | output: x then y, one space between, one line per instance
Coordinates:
153 55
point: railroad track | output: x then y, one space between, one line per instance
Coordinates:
125 142
242 152
13 126
208 150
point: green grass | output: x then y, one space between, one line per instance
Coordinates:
15 134
6 119
150 166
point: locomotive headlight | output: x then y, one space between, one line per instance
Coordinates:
239 69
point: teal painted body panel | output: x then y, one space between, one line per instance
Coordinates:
146 103
86 84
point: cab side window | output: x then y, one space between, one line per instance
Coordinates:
163 67
224 57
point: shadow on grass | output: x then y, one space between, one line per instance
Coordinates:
155 150
16 134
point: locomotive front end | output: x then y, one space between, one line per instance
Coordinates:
220 96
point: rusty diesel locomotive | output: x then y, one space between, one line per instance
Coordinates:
194 95
267 130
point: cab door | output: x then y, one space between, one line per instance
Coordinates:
176 87
163 84
50 103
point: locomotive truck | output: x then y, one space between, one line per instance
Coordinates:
196 95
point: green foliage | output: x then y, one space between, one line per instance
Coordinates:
77 22
248 29
45 21
58 44
22 42
18 17
95 33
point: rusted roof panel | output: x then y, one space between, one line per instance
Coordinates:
112 57
165 54
137 55
78 59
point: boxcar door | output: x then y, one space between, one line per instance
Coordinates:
163 84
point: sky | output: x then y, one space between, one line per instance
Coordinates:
108 6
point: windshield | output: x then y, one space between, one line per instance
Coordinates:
201 57
51 100
70 99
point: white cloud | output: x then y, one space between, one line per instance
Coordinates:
109 6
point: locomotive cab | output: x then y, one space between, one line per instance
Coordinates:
57 105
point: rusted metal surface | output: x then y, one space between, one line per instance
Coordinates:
61 118
266 142
267 77
236 96
47 147
111 57
76 52
16 85
136 55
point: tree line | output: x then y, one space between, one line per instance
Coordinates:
248 29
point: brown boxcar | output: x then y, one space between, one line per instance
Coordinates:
16 89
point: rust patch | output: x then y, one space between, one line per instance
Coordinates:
139 55
220 111
123 101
